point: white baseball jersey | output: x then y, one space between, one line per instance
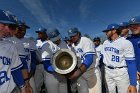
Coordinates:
48 49
85 46
116 52
98 52
29 45
9 61
19 46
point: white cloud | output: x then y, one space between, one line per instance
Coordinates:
37 10
44 18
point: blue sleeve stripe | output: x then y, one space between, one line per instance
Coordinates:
46 59
18 77
15 68
130 58
89 53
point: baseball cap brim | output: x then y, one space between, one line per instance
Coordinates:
7 22
134 23
40 31
27 26
72 34
105 30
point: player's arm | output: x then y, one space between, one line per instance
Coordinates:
25 73
84 66
24 68
131 63
16 66
89 56
88 60
17 76
89 50
46 54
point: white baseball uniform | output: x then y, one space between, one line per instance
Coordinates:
86 82
9 60
29 46
21 52
53 79
114 55
39 76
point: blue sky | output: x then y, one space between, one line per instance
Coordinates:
90 16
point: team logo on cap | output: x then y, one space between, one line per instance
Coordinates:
133 19
113 26
53 33
6 13
70 31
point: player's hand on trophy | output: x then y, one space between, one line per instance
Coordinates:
132 89
75 74
78 72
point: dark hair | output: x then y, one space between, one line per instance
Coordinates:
118 31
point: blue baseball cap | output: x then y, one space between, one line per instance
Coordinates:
124 24
41 29
73 31
7 18
96 39
53 34
111 27
22 23
134 20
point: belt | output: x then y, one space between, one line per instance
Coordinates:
110 67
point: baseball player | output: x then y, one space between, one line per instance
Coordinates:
85 51
52 78
30 50
98 47
40 72
119 60
124 27
10 68
135 39
14 38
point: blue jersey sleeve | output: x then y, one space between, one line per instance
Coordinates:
132 72
18 77
88 60
47 65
